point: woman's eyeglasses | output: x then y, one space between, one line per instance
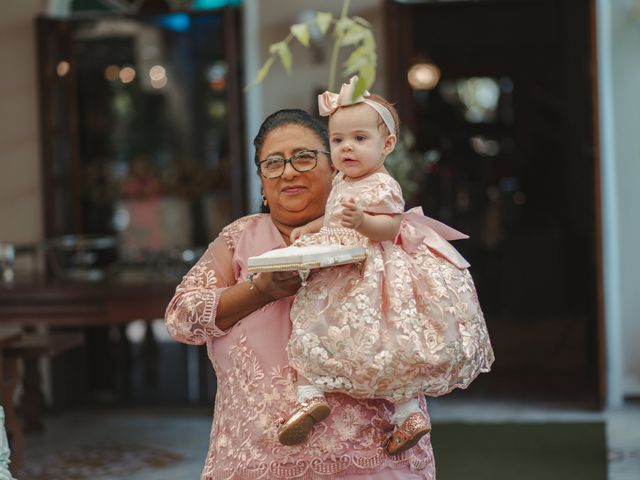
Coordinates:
303 161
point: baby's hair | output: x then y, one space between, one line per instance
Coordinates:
385 103
392 109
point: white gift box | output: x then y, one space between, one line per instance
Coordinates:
305 258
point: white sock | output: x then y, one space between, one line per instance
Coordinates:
306 392
404 409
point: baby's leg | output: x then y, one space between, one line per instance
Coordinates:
411 425
312 408
305 391
405 408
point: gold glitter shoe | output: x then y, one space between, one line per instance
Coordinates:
407 434
296 429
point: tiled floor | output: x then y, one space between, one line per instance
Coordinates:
182 432
186 432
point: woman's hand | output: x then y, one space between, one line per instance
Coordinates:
275 285
352 215
243 299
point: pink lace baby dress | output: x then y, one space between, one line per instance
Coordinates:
407 322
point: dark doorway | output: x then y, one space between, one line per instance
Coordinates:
504 148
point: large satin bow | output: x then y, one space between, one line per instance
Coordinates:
421 229
329 102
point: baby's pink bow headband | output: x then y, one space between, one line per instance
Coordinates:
329 102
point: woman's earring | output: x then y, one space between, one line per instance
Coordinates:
264 200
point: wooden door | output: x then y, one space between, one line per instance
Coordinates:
507 154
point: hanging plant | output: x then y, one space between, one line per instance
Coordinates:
354 32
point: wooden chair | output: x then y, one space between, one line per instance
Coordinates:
30 348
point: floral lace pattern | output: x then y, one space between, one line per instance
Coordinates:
350 441
256 385
408 324
189 316
232 232
377 193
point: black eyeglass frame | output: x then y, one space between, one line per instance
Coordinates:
290 160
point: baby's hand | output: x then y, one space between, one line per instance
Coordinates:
352 215
297 232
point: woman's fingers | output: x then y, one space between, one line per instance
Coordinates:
281 284
282 277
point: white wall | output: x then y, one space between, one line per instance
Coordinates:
20 193
626 97
280 90
619 78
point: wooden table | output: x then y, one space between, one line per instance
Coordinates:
82 304
66 304
58 304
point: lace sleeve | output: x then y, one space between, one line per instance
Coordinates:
191 314
383 195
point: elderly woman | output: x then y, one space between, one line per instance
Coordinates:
246 329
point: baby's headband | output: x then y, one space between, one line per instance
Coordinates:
329 102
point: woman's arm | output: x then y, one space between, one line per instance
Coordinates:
240 300
191 314
208 301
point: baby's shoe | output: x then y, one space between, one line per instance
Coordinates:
296 429
407 434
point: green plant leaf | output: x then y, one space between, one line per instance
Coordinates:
362 21
323 20
352 36
301 32
284 52
356 60
369 40
343 25
366 75
274 47
369 69
285 57
355 56
355 67
262 73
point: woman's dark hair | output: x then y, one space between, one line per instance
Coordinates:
285 117
282 118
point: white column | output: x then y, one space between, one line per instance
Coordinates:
618 28
254 110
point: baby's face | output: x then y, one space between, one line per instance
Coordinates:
357 142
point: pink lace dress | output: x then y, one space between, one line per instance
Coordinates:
256 383
407 322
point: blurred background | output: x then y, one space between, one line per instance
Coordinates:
126 145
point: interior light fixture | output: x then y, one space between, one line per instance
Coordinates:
63 68
423 76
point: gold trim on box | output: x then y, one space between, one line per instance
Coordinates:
286 267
